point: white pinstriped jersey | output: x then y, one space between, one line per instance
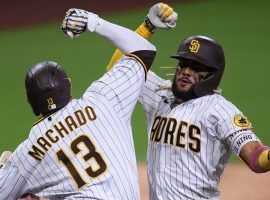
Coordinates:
189 143
85 150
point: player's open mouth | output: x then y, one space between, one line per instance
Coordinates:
184 82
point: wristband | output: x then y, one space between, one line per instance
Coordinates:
144 32
264 160
150 27
255 155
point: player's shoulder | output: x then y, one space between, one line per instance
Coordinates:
222 105
127 60
142 59
158 85
129 65
153 78
145 57
216 99
221 100
153 75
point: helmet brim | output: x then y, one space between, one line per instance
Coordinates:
195 58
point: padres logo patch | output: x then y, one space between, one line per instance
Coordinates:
194 46
241 121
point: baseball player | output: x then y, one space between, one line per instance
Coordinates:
81 148
192 128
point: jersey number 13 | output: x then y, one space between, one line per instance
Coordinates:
92 171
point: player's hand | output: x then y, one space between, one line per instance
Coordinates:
161 16
4 156
77 21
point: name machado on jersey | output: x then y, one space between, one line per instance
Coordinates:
59 130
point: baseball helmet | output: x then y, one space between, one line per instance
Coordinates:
207 52
47 87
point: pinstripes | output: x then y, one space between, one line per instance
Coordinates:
125 98
115 143
177 171
12 182
14 186
113 98
142 63
124 138
101 147
96 130
205 106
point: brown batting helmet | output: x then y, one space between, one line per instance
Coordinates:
207 52
47 87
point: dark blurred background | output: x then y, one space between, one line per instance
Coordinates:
17 13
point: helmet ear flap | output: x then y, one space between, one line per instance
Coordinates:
208 53
211 82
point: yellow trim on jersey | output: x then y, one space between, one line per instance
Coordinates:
116 56
142 31
142 63
40 119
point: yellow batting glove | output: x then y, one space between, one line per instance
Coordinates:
165 12
162 16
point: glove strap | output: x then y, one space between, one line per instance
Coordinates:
148 25
143 31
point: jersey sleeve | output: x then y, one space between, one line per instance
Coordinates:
121 86
153 92
12 184
232 126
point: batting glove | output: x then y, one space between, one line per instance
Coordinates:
161 16
77 21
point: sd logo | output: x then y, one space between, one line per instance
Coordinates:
194 46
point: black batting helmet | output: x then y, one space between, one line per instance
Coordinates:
207 52
47 87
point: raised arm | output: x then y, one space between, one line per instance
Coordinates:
78 21
160 16
122 85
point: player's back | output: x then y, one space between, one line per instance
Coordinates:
86 150
83 150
